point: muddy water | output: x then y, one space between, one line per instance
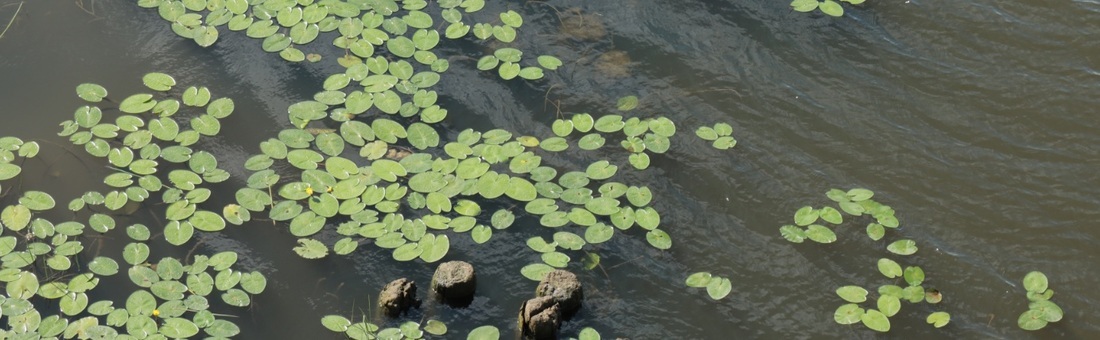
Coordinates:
976 120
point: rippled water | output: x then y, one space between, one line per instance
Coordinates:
976 120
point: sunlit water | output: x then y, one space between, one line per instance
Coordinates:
976 120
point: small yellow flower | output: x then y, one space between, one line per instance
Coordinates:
156 313
328 189
309 191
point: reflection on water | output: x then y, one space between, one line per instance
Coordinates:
973 119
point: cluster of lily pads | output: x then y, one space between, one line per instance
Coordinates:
43 265
412 330
365 330
717 287
857 202
353 163
829 7
1041 311
718 135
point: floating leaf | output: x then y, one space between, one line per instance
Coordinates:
914 275
658 239
848 314
875 320
833 8
792 233
903 247
820 234
310 249
1035 282
854 294
536 271
889 268
938 319
698 280
806 215
888 305
484 333
719 288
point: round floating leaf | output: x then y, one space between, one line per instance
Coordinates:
805 216
1050 311
875 231
555 259
91 92
658 239
310 249
854 294
820 234
158 81
719 288
831 215
889 268
137 103
938 319
598 233
8 171
484 333
859 194
699 280
804 6
793 233
1035 282
539 244
914 275
848 314
888 305
536 271
903 247
833 8
1032 320
335 323
875 320
481 234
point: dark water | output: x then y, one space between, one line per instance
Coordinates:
976 120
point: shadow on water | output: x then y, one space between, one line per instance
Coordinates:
974 120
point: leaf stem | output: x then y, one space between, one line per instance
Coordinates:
12 19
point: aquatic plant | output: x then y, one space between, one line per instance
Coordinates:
1041 311
363 154
857 203
43 266
829 7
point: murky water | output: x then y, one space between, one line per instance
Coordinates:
976 120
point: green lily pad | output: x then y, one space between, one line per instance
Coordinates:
854 294
902 247
938 319
1035 282
848 314
719 288
889 268
875 320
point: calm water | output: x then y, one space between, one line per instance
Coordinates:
976 120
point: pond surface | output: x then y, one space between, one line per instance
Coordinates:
976 120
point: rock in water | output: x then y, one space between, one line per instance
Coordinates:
398 297
540 318
454 282
565 289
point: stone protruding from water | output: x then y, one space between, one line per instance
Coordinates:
565 289
398 297
540 318
454 283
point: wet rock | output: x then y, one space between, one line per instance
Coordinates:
540 318
454 283
398 297
565 289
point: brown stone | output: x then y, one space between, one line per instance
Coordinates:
540 318
454 283
565 289
398 297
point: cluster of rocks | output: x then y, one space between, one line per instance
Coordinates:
557 298
453 283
